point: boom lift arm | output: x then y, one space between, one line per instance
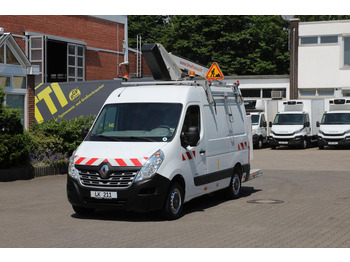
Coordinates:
166 66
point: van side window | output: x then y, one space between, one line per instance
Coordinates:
192 118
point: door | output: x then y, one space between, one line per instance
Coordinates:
263 126
194 157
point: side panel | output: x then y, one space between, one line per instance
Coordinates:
227 141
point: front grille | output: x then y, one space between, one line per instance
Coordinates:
333 134
284 134
118 179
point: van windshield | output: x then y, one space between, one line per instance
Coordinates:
336 119
289 119
151 122
255 120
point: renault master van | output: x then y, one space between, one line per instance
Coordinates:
156 146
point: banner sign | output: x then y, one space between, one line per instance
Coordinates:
73 99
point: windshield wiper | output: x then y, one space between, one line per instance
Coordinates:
141 138
108 137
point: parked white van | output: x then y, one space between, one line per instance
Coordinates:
155 146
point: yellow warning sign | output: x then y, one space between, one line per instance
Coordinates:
214 73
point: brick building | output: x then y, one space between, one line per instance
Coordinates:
72 48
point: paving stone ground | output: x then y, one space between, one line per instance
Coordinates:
313 186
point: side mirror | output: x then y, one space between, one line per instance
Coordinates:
270 124
318 124
264 124
191 137
84 132
307 124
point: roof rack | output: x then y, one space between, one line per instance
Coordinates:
160 83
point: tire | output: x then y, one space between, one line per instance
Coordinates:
260 143
320 147
83 211
273 147
234 189
174 202
303 144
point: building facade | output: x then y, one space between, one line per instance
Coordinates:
66 48
324 59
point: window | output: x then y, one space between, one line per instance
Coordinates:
2 54
16 101
5 81
250 92
308 40
75 63
19 82
329 39
192 118
307 92
10 58
325 92
59 60
347 51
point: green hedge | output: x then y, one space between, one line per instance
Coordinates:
48 143
54 141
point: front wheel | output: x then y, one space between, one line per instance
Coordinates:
234 189
174 202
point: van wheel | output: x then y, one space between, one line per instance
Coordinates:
234 189
260 143
83 211
303 144
174 202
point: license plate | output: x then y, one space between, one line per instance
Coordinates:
103 194
283 142
332 143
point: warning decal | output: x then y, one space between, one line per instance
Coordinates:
214 73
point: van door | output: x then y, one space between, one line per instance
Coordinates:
194 157
263 126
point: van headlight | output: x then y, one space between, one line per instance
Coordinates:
151 166
72 171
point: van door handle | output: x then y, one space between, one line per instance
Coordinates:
202 152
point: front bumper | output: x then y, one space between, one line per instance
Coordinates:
290 141
334 141
141 196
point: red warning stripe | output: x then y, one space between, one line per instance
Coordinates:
120 162
189 156
80 160
91 161
136 162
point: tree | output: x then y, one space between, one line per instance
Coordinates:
240 44
149 27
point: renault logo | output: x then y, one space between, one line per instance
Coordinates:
104 171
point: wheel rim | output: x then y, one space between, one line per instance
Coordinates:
175 201
236 186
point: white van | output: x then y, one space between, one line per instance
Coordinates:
156 146
335 124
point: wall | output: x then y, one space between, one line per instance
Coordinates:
321 65
97 33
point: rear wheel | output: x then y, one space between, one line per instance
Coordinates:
174 202
234 189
